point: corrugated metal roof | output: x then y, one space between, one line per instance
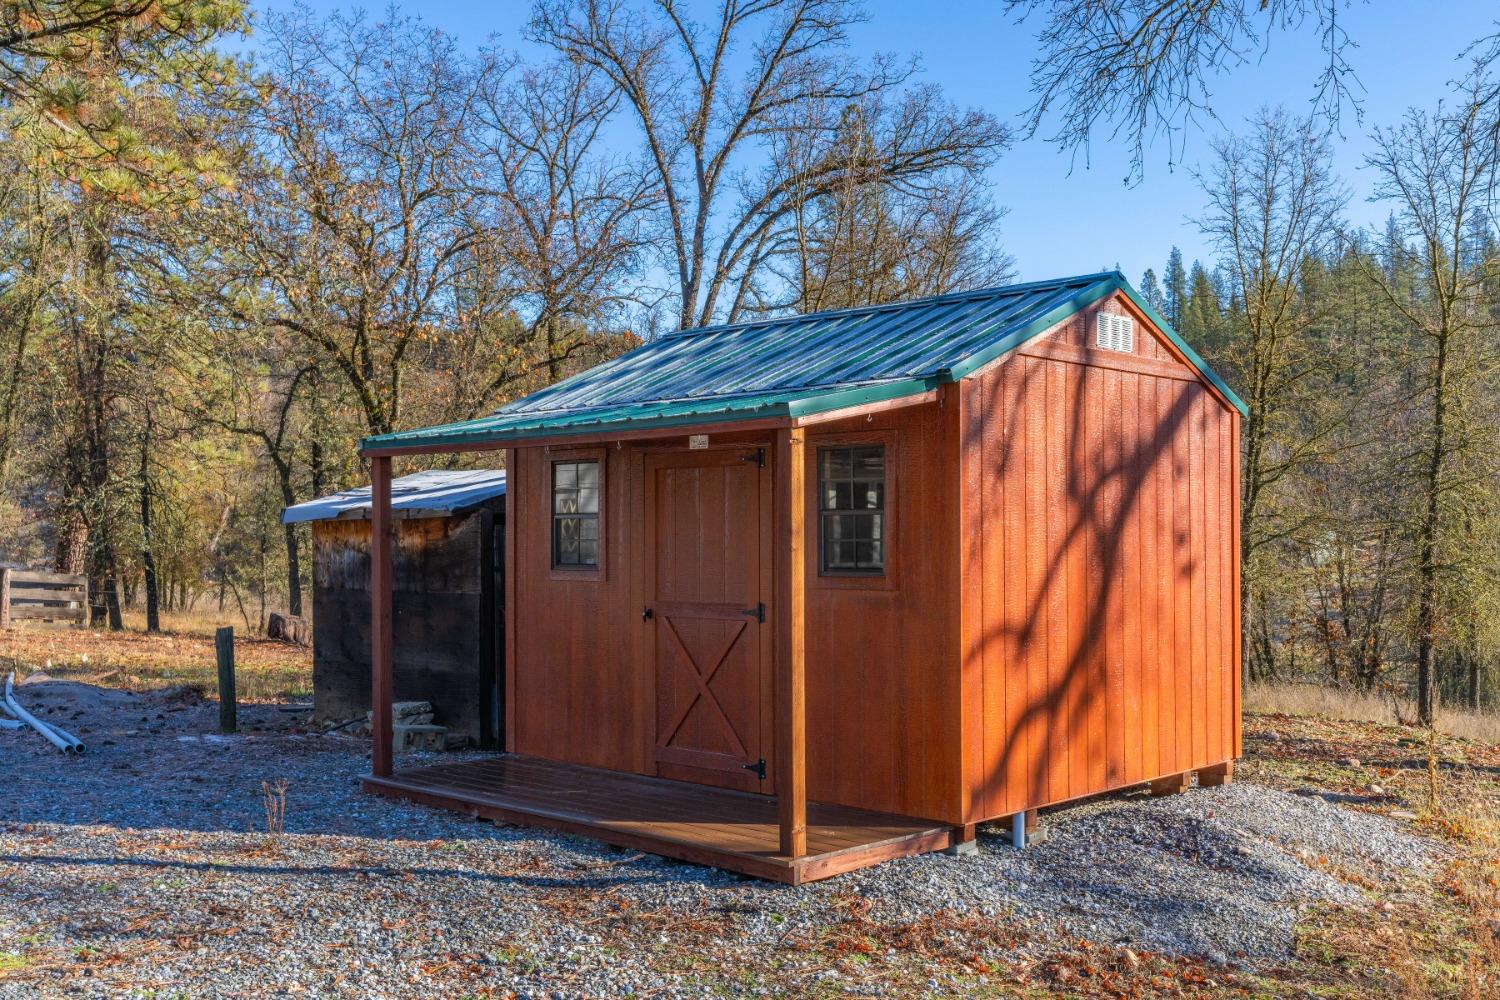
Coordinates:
794 365
420 492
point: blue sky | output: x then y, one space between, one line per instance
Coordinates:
1065 221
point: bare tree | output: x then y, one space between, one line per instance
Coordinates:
1274 207
566 220
708 130
866 241
355 232
1141 68
1440 171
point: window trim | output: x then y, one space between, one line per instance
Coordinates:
889 578
551 459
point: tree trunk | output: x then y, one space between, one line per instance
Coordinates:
315 465
293 571
8 405
148 555
1427 539
96 418
289 533
554 364
104 590
71 547
1472 663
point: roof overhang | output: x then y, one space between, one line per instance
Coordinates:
669 419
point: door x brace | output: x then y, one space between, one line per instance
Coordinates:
701 678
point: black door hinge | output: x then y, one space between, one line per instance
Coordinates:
758 456
758 613
758 768
647 614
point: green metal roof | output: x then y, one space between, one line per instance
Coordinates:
794 366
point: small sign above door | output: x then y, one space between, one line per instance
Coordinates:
697 442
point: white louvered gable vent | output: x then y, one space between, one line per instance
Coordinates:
1115 333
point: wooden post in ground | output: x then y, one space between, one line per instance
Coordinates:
791 648
224 654
4 597
382 630
1219 774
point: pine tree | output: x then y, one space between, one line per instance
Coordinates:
1176 288
1202 320
1151 291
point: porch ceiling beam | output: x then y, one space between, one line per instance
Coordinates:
790 472
382 637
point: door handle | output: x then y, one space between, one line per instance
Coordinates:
647 614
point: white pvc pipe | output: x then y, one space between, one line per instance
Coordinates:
7 719
66 742
75 745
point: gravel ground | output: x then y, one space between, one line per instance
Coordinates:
143 868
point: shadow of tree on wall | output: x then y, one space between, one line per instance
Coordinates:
1112 459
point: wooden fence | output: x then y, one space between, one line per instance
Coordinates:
42 597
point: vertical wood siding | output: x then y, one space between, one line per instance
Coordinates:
1100 571
579 693
883 685
883 691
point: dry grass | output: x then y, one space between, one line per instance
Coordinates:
1424 936
183 653
1333 703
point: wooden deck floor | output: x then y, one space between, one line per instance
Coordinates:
711 826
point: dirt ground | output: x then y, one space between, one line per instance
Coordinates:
153 867
182 654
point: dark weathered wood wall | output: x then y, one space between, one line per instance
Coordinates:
1099 571
444 643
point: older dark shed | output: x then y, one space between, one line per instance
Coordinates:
448 592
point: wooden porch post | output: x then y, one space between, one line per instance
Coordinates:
791 649
382 632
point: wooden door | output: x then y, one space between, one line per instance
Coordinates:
706 536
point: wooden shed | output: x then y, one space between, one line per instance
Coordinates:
447 595
796 595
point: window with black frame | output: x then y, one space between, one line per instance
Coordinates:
575 514
851 501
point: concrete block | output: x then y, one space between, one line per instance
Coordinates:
408 713
419 737
962 849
